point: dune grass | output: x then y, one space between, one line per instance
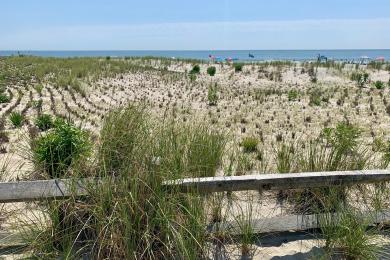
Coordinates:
16 119
130 215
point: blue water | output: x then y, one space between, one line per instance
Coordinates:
259 55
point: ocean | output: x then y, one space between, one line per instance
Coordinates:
258 55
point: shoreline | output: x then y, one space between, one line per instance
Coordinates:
349 56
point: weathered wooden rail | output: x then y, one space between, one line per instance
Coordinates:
281 181
20 191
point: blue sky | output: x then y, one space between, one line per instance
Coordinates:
193 25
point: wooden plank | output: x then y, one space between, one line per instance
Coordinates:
63 188
41 189
291 223
280 181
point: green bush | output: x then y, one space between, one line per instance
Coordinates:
344 137
379 84
195 70
4 98
292 95
60 148
192 77
249 144
238 67
16 119
211 70
315 98
44 122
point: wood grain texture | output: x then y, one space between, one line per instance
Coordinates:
281 181
63 188
41 189
294 223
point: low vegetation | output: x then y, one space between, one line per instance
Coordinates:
195 69
238 67
62 147
211 70
212 94
249 144
44 122
140 154
135 123
16 119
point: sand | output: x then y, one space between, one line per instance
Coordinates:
243 109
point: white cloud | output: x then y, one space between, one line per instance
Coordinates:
299 34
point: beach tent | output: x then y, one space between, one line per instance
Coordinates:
380 59
364 60
322 58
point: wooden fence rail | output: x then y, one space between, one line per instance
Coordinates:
62 188
21 191
281 181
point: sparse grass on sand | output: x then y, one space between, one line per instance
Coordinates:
194 122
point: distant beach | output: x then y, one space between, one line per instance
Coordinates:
243 55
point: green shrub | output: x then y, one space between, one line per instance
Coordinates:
44 122
315 98
195 69
238 67
292 95
249 144
211 70
379 84
60 148
4 98
344 138
212 95
16 119
192 77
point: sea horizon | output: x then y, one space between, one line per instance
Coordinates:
247 55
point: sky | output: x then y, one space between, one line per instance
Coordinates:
194 25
